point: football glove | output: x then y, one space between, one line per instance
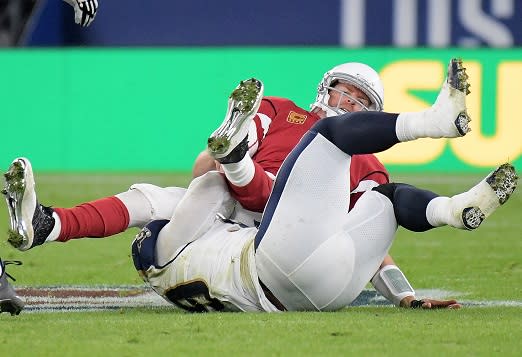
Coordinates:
84 11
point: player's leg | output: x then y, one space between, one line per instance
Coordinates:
369 229
450 104
206 198
229 145
327 268
32 224
9 301
420 210
145 202
414 209
305 212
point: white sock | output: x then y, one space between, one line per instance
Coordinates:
434 122
240 173
56 229
410 126
438 211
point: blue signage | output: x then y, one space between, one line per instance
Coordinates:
348 23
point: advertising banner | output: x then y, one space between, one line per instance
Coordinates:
347 23
153 109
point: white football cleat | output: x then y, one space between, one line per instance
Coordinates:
243 104
447 117
451 102
30 222
471 208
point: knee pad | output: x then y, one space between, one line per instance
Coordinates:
144 246
387 190
409 204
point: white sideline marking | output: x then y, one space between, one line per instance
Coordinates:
372 298
95 298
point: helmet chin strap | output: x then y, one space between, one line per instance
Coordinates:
324 98
328 110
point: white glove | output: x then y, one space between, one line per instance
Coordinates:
84 11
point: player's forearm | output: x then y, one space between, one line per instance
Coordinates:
406 302
391 283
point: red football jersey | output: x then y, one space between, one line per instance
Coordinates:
279 125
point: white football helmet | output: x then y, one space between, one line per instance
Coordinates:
357 74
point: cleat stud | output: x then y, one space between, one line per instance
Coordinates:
472 217
15 238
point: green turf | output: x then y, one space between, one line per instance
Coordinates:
358 331
481 265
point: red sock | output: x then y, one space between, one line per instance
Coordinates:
100 218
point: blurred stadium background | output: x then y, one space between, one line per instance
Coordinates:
144 85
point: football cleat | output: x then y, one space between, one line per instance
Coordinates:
457 76
451 102
9 301
485 197
227 143
30 222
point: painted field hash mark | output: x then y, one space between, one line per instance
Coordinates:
88 298
92 298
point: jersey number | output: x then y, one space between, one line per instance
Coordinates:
193 296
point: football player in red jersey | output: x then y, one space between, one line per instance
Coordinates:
278 126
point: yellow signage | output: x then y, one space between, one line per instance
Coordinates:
476 148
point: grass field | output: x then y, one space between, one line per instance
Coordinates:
483 267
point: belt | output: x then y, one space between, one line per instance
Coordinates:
271 297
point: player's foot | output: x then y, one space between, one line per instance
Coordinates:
472 207
9 301
228 143
447 117
30 222
451 117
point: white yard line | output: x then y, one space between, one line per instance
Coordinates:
92 298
